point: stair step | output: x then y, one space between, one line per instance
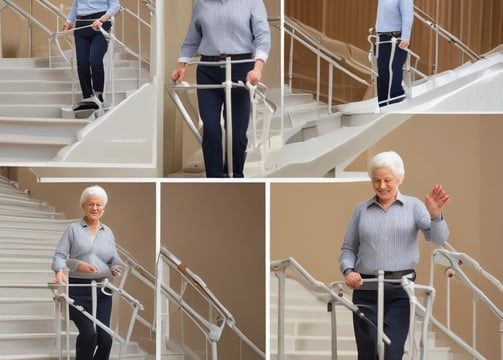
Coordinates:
46 97
23 324
55 74
20 126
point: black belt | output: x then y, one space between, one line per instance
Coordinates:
390 34
91 16
222 57
392 274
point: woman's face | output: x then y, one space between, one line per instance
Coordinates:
385 184
93 207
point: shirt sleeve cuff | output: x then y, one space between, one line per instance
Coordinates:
262 55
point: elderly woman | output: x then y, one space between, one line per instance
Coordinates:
227 28
382 235
87 248
394 20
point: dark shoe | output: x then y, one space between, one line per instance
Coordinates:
91 103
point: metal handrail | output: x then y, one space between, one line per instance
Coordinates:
257 94
211 331
61 298
332 294
297 33
454 262
439 30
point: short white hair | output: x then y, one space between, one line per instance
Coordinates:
387 159
95 190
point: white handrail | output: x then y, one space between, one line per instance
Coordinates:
63 299
333 59
211 331
257 95
279 267
454 262
439 30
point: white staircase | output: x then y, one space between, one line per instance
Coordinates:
308 327
29 232
38 128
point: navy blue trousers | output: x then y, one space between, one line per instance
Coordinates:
92 344
384 78
396 322
90 47
211 104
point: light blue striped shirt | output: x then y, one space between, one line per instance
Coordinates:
388 240
88 7
395 15
76 245
234 27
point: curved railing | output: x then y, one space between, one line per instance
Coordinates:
298 34
334 294
211 328
63 301
440 31
257 95
453 264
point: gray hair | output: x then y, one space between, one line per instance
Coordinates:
387 159
95 190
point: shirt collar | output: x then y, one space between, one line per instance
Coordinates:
84 224
399 199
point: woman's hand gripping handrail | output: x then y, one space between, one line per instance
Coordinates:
410 288
184 270
318 286
257 93
62 297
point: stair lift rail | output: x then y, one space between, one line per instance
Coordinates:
257 95
212 331
63 301
297 34
280 267
453 263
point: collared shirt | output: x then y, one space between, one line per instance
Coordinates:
88 7
395 15
234 27
76 245
387 240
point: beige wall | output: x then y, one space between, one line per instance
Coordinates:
218 231
461 152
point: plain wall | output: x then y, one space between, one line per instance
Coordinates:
218 231
461 152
